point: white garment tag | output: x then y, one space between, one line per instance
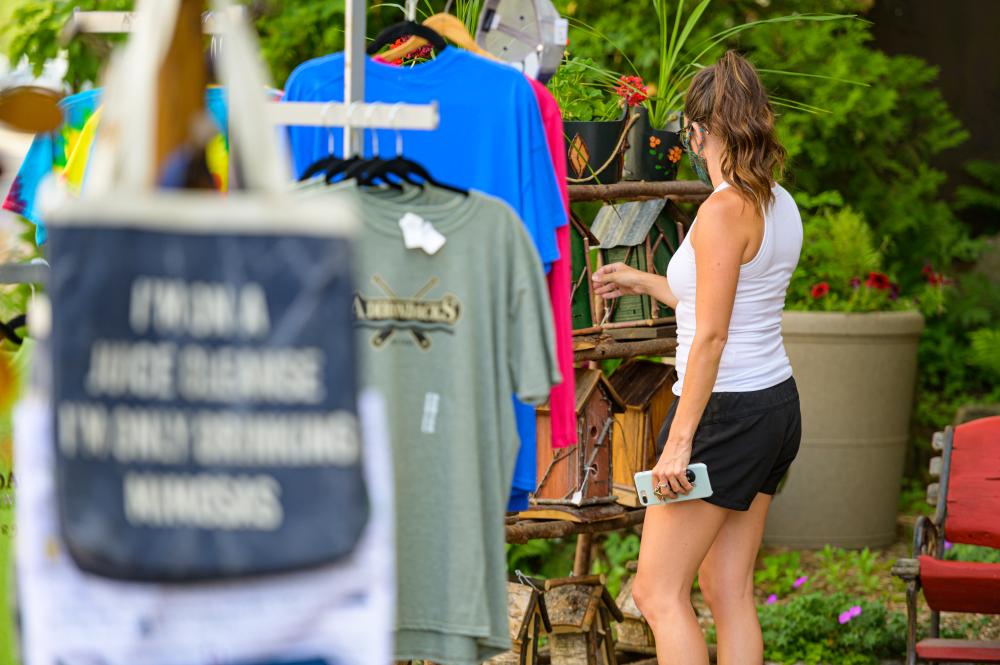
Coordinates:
419 233
428 423
577 498
433 240
411 225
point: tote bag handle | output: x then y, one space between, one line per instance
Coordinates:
123 152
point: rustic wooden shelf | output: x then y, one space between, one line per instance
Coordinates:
678 190
521 529
605 347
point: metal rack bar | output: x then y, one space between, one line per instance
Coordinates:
355 23
24 273
118 23
336 114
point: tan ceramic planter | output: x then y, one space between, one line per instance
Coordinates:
855 374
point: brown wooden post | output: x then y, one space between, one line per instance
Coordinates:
181 83
581 563
654 307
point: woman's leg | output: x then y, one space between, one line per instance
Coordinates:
726 581
675 538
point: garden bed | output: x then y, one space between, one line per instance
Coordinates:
804 598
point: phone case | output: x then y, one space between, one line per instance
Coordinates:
702 486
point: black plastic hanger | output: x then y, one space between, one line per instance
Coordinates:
404 168
319 166
405 29
9 329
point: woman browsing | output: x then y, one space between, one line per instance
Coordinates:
738 408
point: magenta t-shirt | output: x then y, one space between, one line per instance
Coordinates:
563 397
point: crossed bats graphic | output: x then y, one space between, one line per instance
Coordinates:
383 335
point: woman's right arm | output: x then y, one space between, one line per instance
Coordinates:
617 279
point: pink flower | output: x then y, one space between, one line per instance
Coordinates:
799 582
847 615
947 545
772 599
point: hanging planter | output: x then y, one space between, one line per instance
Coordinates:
594 150
651 154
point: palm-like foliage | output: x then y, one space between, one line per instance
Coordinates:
679 61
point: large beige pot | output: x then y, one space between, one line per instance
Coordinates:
855 374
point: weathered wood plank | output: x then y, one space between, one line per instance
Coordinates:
605 349
522 532
685 189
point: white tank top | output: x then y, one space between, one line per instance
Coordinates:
754 356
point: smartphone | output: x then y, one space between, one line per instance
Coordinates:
697 475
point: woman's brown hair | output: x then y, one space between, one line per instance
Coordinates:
729 99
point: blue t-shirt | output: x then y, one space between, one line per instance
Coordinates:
490 137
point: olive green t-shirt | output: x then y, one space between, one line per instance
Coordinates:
448 338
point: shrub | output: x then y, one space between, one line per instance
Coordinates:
808 628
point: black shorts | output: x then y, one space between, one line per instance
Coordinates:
746 440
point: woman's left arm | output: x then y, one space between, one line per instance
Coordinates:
719 245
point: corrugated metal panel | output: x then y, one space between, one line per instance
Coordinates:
626 224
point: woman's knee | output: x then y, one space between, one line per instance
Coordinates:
657 602
726 589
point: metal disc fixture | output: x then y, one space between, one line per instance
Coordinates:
527 33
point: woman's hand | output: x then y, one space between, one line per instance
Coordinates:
618 279
670 472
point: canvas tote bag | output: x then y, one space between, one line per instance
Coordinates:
204 369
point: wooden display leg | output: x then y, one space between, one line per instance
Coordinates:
581 563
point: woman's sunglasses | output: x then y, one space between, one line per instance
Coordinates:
685 134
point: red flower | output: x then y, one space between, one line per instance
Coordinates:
820 290
878 280
934 278
422 52
855 282
632 90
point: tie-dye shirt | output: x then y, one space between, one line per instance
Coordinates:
65 153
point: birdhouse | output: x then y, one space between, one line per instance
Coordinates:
645 388
528 620
634 633
579 475
581 241
639 234
581 611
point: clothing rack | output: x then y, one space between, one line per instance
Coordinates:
353 114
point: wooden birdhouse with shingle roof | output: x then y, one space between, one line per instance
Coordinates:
579 475
528 620
639 234
581 611
645 387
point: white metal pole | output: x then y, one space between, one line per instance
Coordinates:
354 70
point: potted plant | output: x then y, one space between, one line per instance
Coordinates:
654 147
594 118
852 340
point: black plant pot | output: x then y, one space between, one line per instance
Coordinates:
652 154
594 151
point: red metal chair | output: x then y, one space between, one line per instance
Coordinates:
968 511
